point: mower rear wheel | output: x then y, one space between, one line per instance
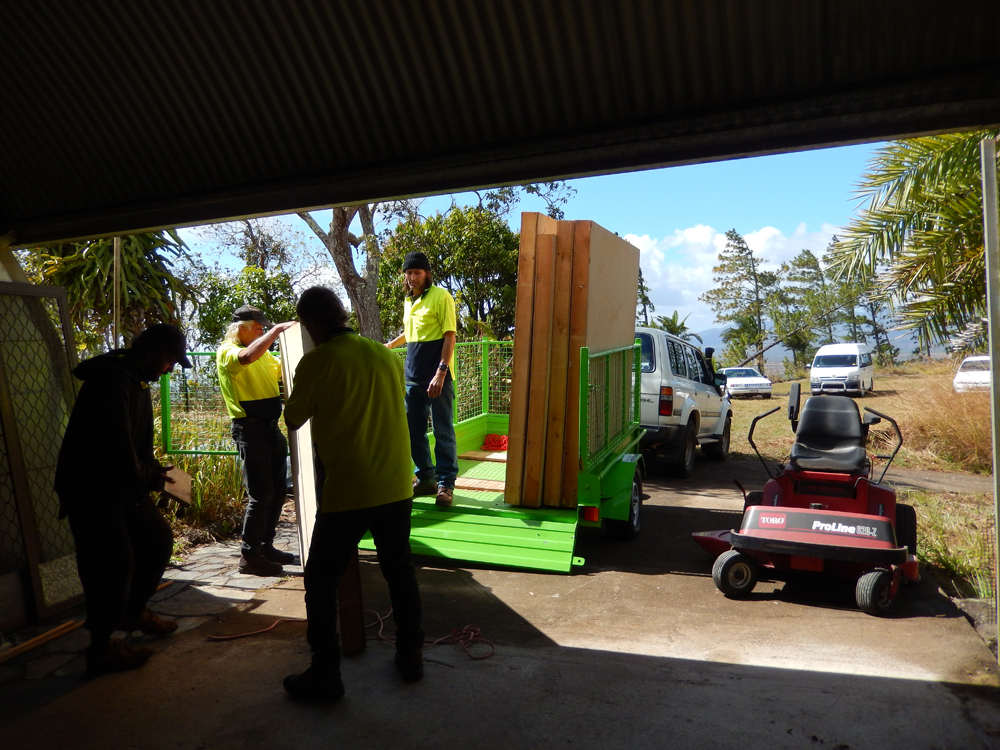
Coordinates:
754 497
734 574
873 592
906 527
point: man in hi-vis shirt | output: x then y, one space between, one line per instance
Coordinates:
429 330
248 377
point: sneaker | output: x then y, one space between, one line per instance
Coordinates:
315 686
444 496
410 665
151 623
255 564
424 487
277 555
116 656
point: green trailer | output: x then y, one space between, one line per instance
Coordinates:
480 526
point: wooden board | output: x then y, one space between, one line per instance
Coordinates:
538 382
532 224
179 486
558 366
295 342
466 483
580 294
499 457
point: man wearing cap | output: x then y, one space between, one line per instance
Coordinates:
429 330
248 378
104 476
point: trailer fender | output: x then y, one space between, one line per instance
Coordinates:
616 487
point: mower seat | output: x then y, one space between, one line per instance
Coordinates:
829 437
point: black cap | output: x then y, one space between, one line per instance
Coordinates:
166 339
248 312
416 260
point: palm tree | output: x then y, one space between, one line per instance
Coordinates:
919 243
676 326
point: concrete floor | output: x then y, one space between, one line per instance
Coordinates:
636 649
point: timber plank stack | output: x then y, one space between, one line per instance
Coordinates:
576 286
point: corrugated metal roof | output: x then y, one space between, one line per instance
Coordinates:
139 113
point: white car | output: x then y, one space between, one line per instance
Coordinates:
973 374
746 381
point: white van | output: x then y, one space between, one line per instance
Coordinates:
842 368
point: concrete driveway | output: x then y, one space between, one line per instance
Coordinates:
637 649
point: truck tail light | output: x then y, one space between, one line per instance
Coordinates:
666 401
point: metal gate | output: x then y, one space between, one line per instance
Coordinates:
37 561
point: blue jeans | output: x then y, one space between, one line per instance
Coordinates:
441 410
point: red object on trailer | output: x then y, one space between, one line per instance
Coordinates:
821 513
495 443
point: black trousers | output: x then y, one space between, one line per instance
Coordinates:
335 538
122 550
264 452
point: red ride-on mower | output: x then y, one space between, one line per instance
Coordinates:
821 513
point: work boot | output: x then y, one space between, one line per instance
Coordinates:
115 656
151 623
424 487
410 665
256 564
444 496
318 684
278 556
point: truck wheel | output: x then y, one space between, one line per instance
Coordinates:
628 529
873 592
720 450
906 527
734 574
685 458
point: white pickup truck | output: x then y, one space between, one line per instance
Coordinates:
683 401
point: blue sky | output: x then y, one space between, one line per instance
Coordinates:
678 216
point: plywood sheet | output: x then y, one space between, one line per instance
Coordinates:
295 342
614 275
580 298
538 383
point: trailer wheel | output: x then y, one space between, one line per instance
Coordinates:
734 574
685 458
873 592
630 528
906 527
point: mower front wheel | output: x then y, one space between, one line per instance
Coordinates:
873 592
734 574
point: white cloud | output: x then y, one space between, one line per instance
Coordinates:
677 268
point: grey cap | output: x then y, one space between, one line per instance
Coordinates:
248 312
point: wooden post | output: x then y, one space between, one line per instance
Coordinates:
559 366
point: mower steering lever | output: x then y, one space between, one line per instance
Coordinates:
899 441
753 445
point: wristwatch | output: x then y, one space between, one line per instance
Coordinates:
442 366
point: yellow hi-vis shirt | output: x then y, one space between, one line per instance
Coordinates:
253 382
426 320
352 390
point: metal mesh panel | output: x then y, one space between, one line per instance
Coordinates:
501 363
468 382
41 397
198 417
611 402
12 555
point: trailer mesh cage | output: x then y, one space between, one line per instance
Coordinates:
193 420
37 556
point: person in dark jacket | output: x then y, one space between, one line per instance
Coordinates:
104 477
